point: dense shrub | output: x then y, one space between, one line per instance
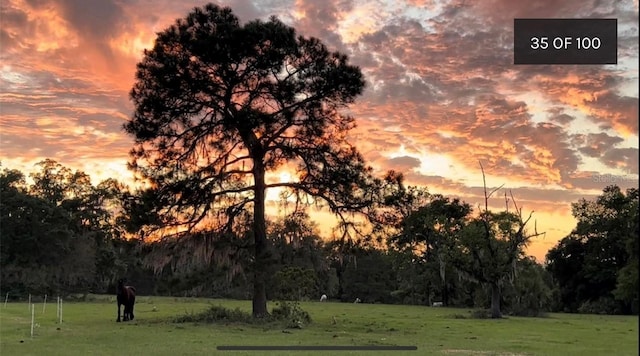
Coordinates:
215 313
290 314
604 305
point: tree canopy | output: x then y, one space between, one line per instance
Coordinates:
59 233
596 266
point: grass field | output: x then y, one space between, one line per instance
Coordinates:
89 328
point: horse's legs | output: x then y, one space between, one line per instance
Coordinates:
131 309
125 316
118 320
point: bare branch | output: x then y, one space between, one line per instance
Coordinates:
518 210
487 196
506 202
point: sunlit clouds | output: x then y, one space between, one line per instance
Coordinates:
442 93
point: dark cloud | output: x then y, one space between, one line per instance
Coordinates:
542 199
321 19
597 181
414 90
403 163
246 10
621 112
14 31
434 183
14 20
596 145
623 158
501 12
97 19
562 119
532 198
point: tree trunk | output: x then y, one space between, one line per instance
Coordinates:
443 278
340 289
495 301
445 294
260 236
339 274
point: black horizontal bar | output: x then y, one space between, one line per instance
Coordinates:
317 348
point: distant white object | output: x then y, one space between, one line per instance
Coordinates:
357 300
323 298
437 304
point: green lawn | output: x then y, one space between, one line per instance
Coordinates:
89 328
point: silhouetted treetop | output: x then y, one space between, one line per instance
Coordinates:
218 104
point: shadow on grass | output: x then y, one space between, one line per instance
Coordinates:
486 314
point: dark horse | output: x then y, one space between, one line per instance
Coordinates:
126 296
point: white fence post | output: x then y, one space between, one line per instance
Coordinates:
33 316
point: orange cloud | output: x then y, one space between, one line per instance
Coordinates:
442 92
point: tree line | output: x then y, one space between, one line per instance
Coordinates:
60 234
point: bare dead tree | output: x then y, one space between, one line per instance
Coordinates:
496 246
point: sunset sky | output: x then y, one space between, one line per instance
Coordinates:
442 92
